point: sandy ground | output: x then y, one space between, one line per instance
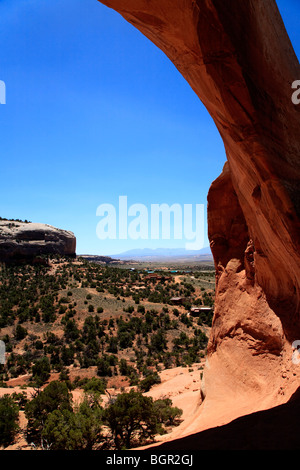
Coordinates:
179 384
182 386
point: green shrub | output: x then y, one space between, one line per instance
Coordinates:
55 396
150 380
69 430
9 414
131 419
20 333
41 371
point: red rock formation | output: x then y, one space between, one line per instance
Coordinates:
238 59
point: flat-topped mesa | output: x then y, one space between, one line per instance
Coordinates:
237 57
29 242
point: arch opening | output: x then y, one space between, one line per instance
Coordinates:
238 59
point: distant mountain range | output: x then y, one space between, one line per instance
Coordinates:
164 253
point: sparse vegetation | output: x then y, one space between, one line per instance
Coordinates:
74 317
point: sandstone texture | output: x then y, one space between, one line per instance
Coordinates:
21 242
237 57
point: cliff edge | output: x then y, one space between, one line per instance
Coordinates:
27 242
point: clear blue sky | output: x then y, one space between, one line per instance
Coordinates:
95 111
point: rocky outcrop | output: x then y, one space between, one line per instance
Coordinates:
31 242
238 59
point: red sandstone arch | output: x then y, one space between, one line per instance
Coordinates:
237 57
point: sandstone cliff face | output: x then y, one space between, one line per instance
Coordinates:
238 59
28 241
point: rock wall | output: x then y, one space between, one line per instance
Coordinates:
21 242
237 57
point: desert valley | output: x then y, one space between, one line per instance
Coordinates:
103 328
